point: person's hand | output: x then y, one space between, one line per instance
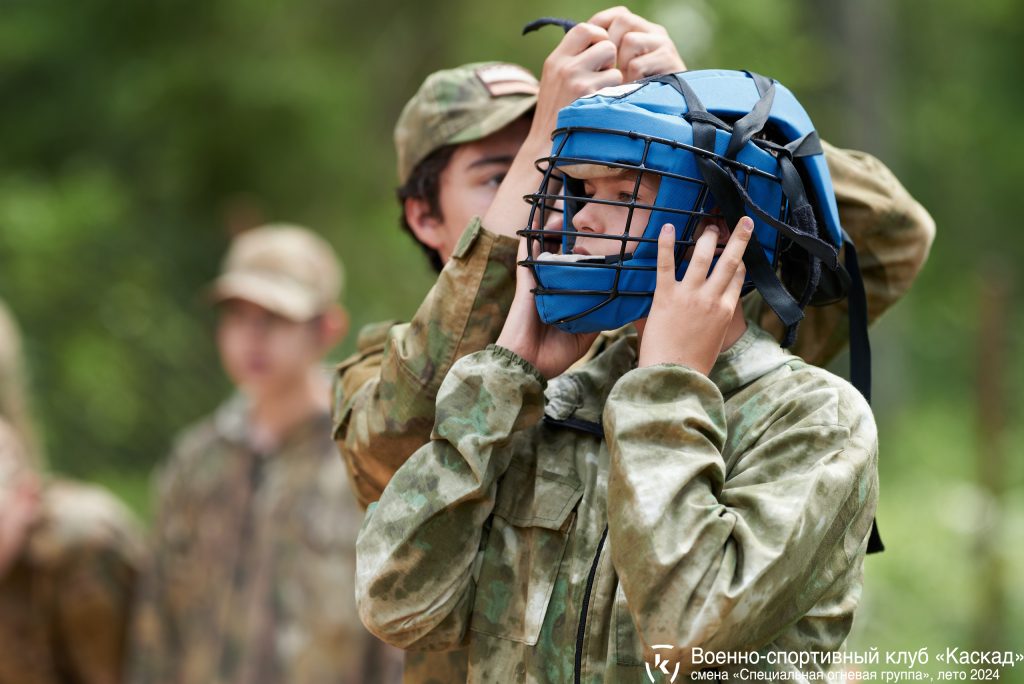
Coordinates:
689 318
581 64
643 47
550 350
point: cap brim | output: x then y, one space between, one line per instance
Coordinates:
506 110
282 298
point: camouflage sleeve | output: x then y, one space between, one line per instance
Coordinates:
384 404
419 544
727 564
892 233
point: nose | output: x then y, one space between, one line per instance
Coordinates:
588 219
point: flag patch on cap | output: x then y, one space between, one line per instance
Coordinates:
507 79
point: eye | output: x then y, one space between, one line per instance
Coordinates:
625 197
495 180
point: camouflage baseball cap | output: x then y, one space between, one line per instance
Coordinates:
286 269
460 105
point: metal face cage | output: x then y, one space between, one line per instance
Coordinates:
683 199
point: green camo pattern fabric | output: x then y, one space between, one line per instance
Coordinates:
737 507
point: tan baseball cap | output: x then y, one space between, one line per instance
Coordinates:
460 105
286 269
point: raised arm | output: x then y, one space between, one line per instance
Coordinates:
384 406
727 557
419 543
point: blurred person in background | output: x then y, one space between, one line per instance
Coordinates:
253 551
69 555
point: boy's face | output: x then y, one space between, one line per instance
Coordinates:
263 352
468 185
606 219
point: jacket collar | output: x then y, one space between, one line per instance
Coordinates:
581 393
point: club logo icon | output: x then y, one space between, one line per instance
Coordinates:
661 665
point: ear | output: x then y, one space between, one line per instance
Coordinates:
426 225
333 326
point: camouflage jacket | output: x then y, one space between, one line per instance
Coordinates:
252 553
728 513
65 602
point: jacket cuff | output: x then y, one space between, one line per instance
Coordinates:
511 359
503 247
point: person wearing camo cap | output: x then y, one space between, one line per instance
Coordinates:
253 557
70 554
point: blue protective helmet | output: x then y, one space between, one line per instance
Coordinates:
728 141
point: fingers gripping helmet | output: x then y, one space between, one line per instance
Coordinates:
717 141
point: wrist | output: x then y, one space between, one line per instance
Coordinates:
537 143
518 345
519 360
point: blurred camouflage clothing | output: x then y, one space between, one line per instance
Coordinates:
253 559
460 105
65 601
728 513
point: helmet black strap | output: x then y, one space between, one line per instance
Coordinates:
860 349
730 195
860 344
752 123
565 24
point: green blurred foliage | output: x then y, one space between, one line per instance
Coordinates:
138 136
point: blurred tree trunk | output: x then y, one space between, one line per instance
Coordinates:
991 421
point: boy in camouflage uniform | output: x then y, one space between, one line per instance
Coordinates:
69 558
256 523
725 506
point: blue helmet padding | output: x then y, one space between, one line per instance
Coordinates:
654 109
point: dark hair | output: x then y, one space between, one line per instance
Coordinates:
425 183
